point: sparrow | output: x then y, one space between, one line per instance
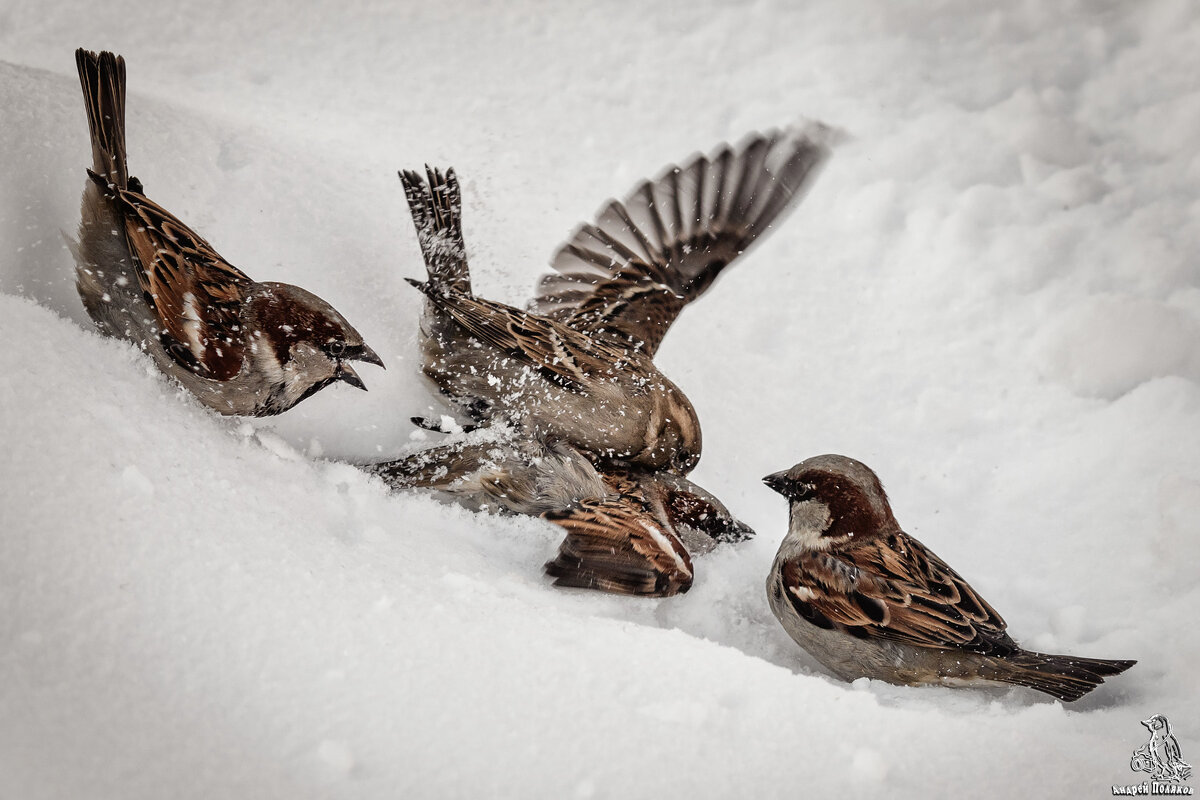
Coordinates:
577 366
627 531
599 441
1163 750
867 600
242 347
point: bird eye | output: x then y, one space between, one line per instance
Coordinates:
683 461
335 348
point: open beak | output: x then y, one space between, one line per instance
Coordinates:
777 481
346 373
368 355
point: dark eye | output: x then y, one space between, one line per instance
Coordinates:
803 491
683 462
335 348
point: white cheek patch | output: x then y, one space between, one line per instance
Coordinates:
294 372
264 358
808 522
305 367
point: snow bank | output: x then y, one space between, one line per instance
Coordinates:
991 297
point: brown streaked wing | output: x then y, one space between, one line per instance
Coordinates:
613 545
177 263
621 482
567 355
629 274
895 588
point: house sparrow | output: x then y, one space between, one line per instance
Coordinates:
628 531
866 599
240 346
602 439
578 366
598 440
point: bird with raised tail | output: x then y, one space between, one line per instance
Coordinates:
240 346
579 366
865 599
587 432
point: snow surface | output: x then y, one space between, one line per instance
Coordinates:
992 296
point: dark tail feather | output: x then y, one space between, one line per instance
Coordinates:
102 77
436 207
1065 677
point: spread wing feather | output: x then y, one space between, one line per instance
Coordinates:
630 273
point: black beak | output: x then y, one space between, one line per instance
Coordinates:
368 355
737 531
778 481
347 374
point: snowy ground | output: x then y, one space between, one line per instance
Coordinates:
992 297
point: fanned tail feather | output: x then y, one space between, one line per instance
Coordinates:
436 206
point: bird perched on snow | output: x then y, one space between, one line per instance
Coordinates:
240 346
867 600
601 440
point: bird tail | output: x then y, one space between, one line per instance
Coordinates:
102 77
436 207
1065 677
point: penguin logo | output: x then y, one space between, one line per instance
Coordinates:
1160 756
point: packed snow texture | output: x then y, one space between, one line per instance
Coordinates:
992 296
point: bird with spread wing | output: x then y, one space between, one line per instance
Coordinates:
581 426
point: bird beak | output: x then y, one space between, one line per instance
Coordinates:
740 532
368 355
346 373
778 481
